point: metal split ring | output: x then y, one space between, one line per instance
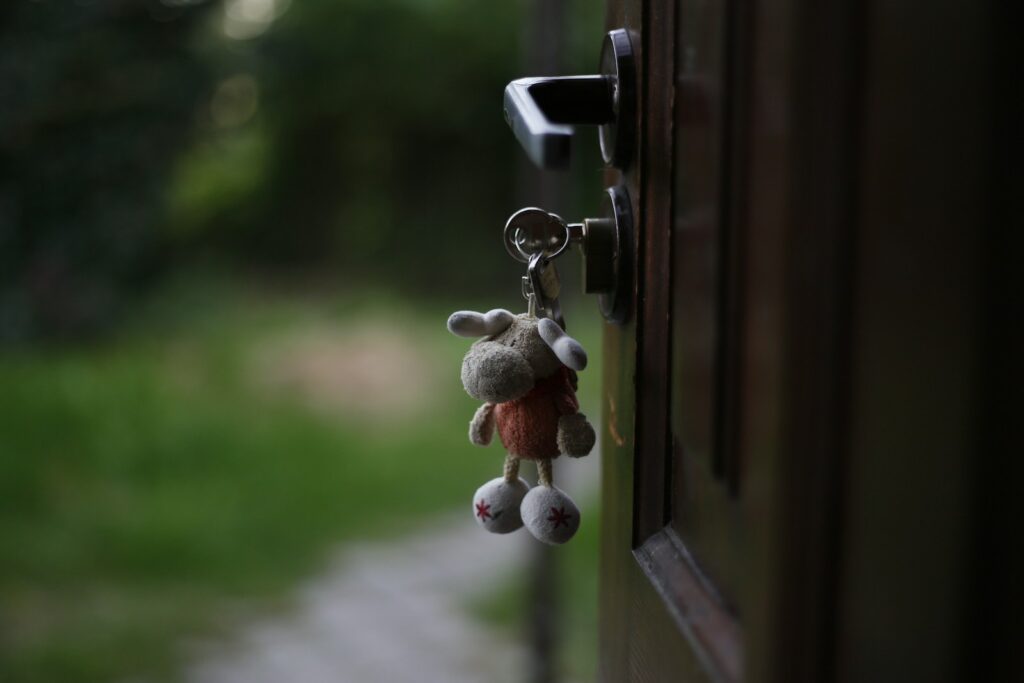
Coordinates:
532 231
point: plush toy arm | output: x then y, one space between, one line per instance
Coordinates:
575 435
481 427
565 397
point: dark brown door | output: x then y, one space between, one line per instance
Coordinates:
795 418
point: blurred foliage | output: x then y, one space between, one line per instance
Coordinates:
96 101
361 140
370 136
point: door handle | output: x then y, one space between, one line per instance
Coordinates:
543 112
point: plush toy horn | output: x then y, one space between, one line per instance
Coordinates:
473 324
568 350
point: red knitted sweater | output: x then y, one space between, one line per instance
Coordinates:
528 426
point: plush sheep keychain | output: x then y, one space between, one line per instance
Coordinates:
523 369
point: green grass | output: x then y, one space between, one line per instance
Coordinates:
148 485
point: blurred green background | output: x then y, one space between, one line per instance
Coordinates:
230 233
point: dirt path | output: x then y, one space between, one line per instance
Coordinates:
391 612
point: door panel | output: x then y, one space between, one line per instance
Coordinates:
640 638
705 511
661 617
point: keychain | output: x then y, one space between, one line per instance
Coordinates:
524 370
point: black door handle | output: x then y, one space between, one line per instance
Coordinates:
543 111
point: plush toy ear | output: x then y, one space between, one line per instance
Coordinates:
567 349
473 324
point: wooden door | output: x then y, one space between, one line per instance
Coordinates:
795 414
662 619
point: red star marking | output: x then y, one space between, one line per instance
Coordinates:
483 510
559 517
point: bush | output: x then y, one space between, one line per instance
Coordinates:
378 137
97 100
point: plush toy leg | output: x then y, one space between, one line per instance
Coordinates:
496 504
544 473
511 468
548 512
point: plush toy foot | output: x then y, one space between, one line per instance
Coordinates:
496 505
550 515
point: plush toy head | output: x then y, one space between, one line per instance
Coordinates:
517 351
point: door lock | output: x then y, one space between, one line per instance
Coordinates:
536 236
543 111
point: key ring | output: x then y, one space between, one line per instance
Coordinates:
551 235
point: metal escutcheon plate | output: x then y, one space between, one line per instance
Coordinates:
619 136
608 256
